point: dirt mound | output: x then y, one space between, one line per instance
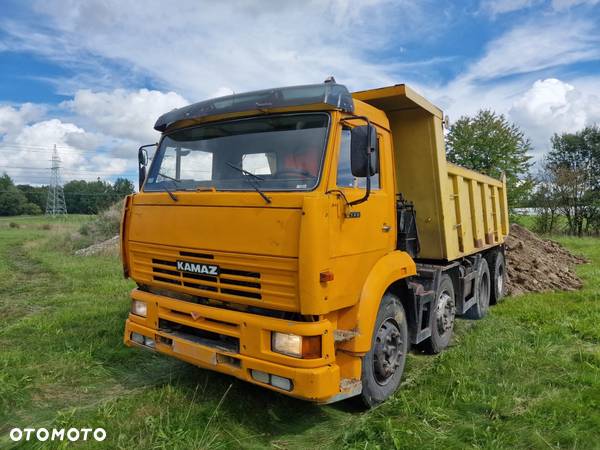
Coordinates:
538 265
108 247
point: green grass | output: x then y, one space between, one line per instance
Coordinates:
527 376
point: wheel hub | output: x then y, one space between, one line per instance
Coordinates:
388 351
445 312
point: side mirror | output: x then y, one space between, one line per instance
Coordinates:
363 151
143 163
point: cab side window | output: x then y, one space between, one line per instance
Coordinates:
344 172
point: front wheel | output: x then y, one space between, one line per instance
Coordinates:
383 365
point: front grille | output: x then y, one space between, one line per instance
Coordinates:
238 283
265 281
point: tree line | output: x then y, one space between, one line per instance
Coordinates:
565 190
81 197
569 184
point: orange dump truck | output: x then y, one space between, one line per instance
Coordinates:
303 238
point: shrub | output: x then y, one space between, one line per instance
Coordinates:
14 225
31 209
105 225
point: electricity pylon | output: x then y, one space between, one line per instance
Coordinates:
55 205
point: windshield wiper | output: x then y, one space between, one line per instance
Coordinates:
244 171
167 190
248 176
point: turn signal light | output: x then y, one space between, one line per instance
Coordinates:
311 347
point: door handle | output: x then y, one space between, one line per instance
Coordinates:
386 228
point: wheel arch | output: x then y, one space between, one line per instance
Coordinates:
390 273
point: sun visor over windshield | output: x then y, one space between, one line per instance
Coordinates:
335 95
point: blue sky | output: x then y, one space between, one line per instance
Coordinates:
92 76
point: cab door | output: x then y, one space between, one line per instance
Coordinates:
359 235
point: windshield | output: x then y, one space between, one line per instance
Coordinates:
269 152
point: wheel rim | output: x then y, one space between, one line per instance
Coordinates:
445 312
500 280
387 352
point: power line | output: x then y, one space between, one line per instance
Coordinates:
67 194
64 170
40 147
44 147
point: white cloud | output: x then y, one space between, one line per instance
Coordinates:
189 53
124 114
553 106
495 7
14 118
26 155
512 62
238 45
537 45
561 5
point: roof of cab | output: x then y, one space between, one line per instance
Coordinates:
327 95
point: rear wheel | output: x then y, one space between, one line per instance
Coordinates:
444 312
481 307
383 365
497 265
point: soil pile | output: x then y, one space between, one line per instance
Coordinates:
539 265
109 247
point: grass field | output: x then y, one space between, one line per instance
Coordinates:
527 376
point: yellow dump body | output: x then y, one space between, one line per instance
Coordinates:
459 211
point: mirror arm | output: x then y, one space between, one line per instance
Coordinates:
365 197
354 117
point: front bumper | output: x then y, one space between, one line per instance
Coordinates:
311 379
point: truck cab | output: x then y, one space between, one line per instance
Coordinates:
275 238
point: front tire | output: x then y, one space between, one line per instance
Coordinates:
481 307
383 365
442 320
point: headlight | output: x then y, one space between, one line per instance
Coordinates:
139 308
308 347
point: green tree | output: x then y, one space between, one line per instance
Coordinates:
490 144
91 197
12 199
31 209
123 187
573 165
35 194
546 200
